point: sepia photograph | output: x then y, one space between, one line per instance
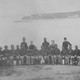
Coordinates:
39 39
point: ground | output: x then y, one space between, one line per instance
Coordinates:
41 72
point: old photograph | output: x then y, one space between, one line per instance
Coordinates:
39 39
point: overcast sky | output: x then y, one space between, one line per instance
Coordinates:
12 33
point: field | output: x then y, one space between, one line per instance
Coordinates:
41 72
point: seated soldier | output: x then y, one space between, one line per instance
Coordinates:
17 54
65 44
12 55
6 51
76 51
57 50
70 51
52 46
57 53
17 50
75 60
13 51
6 54
24 44
32 47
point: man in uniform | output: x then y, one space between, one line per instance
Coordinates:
17 54
45 44
56 53
32 51
24 44
70 53
65 44
45 48
6 53
12 55
53 45
76 53
32 47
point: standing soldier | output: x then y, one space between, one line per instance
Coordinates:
65 44
45 48
24 49
45 45
23 53
24 44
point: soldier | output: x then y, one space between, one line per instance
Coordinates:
32 47
17 54
76 53
24 44
45 45
45 48
6 51
53 45
6 54
57 53
64 54
23 52
66 44
70 53
75 60
12 55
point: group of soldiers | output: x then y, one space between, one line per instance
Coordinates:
48 54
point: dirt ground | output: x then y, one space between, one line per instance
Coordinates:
41 72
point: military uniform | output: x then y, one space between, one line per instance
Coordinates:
24 44
65 45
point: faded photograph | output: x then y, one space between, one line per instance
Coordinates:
39 39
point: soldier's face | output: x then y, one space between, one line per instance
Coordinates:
24 39
76 47
31 42
52 42
45 39
17 47
6 47
12 47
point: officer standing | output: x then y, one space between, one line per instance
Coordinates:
65 44
24 44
